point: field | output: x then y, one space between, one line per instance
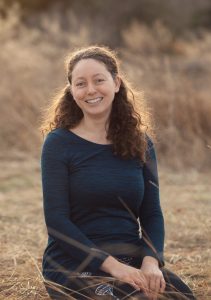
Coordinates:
173 74
185 199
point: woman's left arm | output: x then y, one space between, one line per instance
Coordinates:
152 226
150 213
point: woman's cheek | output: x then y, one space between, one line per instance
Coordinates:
78 96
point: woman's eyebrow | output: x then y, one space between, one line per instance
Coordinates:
98 74
92 76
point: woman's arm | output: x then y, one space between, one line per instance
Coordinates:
152 225
150 214
55 184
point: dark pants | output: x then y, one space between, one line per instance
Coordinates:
87 286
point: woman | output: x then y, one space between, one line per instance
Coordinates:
100 186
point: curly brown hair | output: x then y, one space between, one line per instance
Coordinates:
129 120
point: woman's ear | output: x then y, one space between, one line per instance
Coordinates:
70 88
117 81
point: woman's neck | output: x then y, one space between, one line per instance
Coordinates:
97 126
94 130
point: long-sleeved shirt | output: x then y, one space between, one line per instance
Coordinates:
95 201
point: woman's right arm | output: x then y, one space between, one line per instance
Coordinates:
55 184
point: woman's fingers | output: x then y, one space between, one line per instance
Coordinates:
153 288
139 282
162 285
156 285
134 285
142 285
142 282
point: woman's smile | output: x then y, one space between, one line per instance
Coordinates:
94 101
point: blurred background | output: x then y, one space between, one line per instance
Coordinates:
164 46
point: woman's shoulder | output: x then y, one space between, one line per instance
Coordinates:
56 145
58 135
53 136
59 139
55 140
150 143
150 150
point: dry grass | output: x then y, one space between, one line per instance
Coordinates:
173 73
186 205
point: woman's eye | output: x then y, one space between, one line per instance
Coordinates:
80 84
99 80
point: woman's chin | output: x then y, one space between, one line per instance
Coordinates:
97 112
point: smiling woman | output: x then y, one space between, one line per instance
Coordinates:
100 182
93 88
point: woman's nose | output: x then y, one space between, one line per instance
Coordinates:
91 88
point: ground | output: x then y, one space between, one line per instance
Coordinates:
185 198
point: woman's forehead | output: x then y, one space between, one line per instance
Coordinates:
89 67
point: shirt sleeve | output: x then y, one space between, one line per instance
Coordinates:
150 214
55 185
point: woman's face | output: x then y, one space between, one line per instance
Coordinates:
93 87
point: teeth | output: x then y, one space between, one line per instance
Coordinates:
94 100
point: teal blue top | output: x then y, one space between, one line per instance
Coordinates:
95 201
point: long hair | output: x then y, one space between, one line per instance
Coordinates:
128 121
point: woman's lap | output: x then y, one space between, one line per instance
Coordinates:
86 286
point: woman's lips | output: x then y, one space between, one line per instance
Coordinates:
95 100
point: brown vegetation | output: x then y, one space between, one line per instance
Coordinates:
185 201
173 73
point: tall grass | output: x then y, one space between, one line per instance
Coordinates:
175 76
185 201
173 73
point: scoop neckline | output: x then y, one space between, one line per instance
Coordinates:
85 140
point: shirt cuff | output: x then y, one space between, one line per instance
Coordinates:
156 255
95 258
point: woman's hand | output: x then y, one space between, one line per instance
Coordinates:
155 281
125 273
